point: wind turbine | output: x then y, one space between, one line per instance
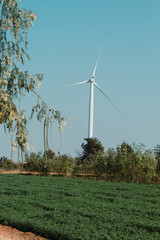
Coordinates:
91 99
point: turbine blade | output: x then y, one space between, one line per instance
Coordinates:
94 71
74 84
108 98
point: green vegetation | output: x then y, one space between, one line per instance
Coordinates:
61 164
91 147
7 164
157 157
76 209
126 163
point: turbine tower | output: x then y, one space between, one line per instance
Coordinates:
91 99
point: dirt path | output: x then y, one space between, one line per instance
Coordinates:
8 233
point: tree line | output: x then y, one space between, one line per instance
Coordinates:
129 163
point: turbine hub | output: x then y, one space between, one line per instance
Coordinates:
92 79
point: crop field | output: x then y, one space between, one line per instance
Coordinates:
76 209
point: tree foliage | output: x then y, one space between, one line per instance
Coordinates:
61 164
49 154
157 156
15 83
92 146
125 163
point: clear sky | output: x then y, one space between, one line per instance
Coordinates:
64 45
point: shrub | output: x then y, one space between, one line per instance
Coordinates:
93 164
45 165
35 162
63 164
32 162
6 163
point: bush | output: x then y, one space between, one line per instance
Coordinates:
45 165
63 164
6 163
38 163
32 162
93 164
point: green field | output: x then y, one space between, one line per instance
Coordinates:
74 209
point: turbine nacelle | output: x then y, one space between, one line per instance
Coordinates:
91 80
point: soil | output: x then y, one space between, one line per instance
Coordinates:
8 233
17 172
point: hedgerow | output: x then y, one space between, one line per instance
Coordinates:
125 163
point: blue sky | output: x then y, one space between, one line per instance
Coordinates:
64 45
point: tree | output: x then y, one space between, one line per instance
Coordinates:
124 159
15 83
49 154
157 156
134 164
92 146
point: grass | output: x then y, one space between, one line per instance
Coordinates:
74 209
